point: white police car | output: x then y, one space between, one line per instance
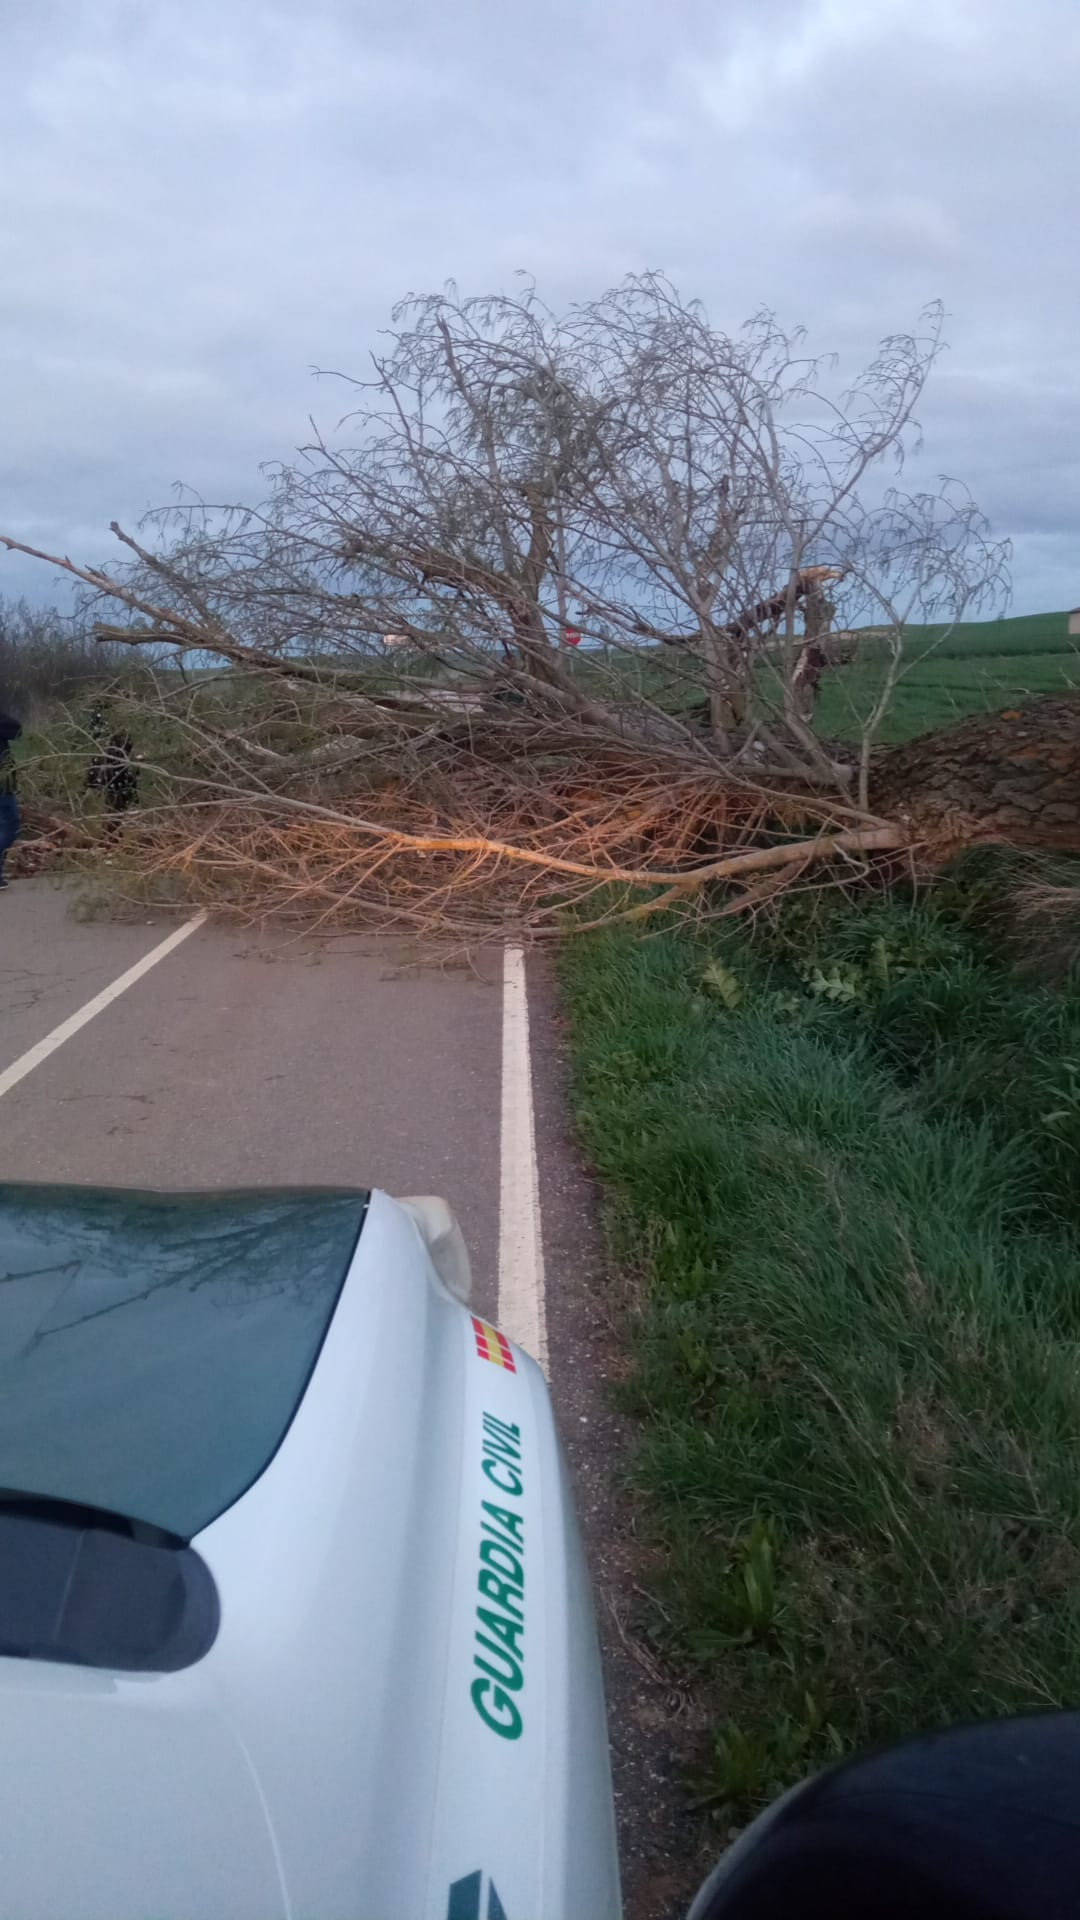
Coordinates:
294 1619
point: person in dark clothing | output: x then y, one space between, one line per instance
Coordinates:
114 775
95 727
9 799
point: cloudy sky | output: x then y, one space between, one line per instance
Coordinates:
203 201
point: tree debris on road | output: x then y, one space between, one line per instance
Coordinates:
701 513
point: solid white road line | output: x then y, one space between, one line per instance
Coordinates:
34 1056
521 1312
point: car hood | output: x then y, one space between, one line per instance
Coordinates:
118 1804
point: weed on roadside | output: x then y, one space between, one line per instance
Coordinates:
844 1156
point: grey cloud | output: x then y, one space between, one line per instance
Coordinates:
201 203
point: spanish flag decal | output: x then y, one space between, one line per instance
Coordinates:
493 1345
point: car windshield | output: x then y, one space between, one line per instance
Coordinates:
154 1348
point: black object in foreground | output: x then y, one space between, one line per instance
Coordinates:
975 1823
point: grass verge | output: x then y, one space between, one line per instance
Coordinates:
842 1164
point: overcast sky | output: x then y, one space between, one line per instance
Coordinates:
203 201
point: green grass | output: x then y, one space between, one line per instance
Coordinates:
939 689
947 673
841 1166
1023 633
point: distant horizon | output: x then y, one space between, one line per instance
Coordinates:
42 601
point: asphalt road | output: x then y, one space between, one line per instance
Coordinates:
244 1058
247 1059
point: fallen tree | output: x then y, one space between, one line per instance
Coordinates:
609 551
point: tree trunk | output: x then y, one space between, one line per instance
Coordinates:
1012 776
812 661
724 713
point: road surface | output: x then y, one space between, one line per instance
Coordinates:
245 1059
233 1057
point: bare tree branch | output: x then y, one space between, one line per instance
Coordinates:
508 481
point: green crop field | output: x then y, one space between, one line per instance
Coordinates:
1042 633
939 688
947 673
